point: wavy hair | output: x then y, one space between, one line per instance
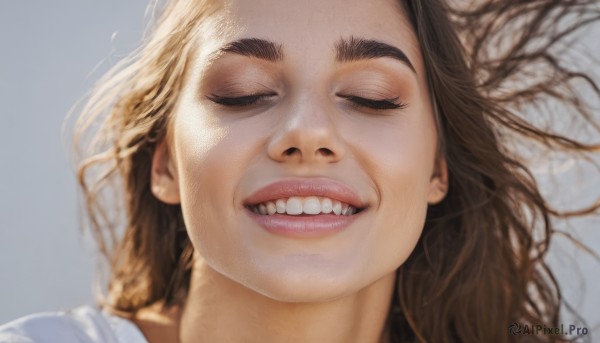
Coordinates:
479 264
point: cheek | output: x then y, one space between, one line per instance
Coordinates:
399 159
210 157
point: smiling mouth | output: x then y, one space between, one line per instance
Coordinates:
304 207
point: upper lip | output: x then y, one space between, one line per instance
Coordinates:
323 187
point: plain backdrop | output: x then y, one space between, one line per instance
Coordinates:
48 52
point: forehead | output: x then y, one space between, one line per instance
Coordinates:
312 27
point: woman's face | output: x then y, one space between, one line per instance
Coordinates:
328 97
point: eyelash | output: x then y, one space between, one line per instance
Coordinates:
249 100
241 101
383 104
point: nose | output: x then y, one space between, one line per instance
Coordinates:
307 133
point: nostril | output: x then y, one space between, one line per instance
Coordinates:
321 151
291 151
325 151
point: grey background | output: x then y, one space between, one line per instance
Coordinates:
48 50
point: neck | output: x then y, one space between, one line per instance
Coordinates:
221 310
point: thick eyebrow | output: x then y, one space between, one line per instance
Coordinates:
355 49
255 47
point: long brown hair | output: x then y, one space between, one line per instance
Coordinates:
479 264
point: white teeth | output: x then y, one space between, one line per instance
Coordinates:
280 204
308 205
348 210
311 205
262 209
326 205
344 209
337 207
271 208
293 206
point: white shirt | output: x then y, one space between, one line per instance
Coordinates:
81 325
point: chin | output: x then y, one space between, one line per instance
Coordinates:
303 283
304 292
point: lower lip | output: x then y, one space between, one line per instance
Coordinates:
303 226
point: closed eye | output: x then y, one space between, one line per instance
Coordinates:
375 104
240 101
253 99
